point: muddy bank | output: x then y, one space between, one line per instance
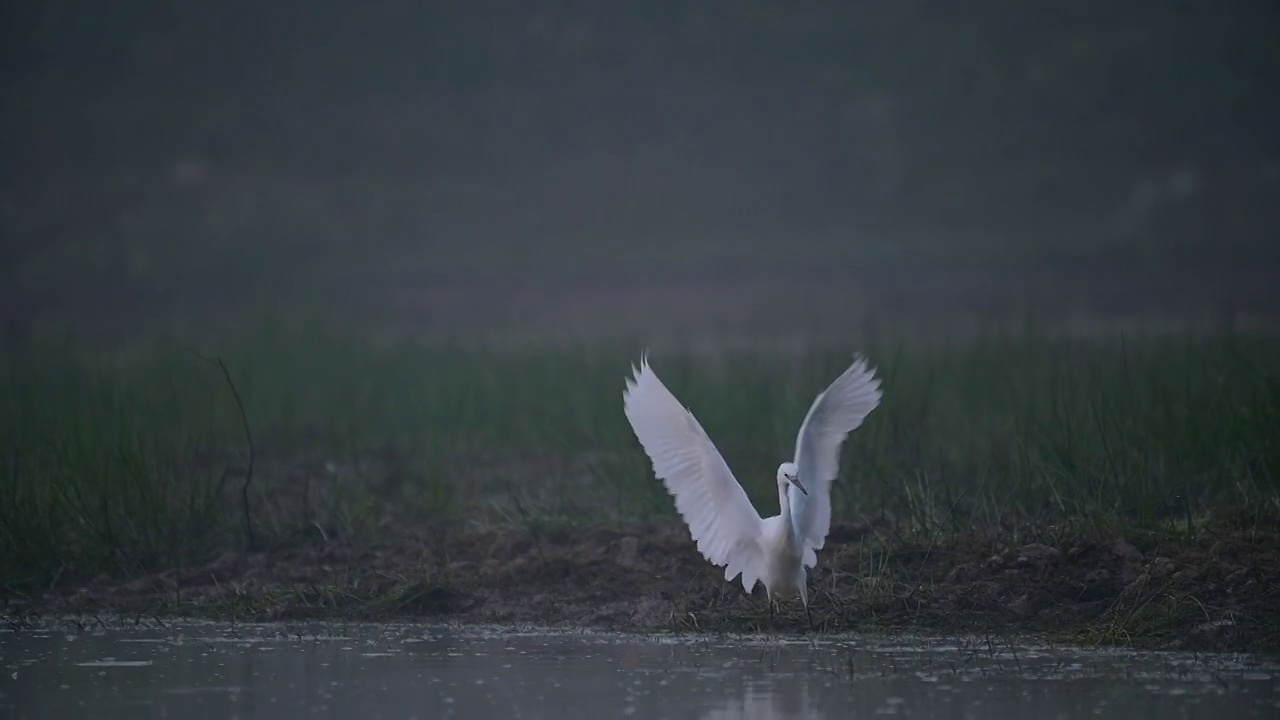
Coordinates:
1218 591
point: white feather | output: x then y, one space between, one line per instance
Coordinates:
720 517
836 412
727 529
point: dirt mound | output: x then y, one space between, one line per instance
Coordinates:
1215 592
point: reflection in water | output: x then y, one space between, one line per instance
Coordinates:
203 670
763 701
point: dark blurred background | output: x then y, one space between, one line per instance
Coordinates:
578 166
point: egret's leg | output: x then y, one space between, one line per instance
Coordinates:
755 613
804 598
751 598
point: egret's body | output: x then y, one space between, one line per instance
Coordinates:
783 573
728 531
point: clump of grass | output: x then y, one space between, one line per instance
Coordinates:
116 462
102 472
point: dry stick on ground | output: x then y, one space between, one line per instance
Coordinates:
248 436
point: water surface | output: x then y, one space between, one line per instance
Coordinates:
205 670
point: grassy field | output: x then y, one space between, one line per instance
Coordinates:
1029 467
135 461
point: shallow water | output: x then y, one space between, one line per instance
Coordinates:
207 670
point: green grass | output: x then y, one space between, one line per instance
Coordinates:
131 461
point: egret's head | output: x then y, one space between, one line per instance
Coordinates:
789 473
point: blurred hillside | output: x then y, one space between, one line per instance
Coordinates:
532 165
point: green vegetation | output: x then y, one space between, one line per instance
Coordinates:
133 461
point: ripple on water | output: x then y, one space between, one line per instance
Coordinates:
203 669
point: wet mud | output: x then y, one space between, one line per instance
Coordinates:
1217 591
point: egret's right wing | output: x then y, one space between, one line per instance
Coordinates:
721 519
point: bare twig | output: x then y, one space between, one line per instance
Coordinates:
248 436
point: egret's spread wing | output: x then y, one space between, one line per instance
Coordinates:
835 413
721 519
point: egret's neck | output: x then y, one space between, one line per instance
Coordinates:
788 522
784 503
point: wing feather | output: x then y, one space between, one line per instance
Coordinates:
720 517
836 412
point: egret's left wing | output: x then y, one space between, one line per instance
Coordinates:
836 412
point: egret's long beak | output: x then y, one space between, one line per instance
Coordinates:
796 481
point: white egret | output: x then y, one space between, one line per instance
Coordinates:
727 529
